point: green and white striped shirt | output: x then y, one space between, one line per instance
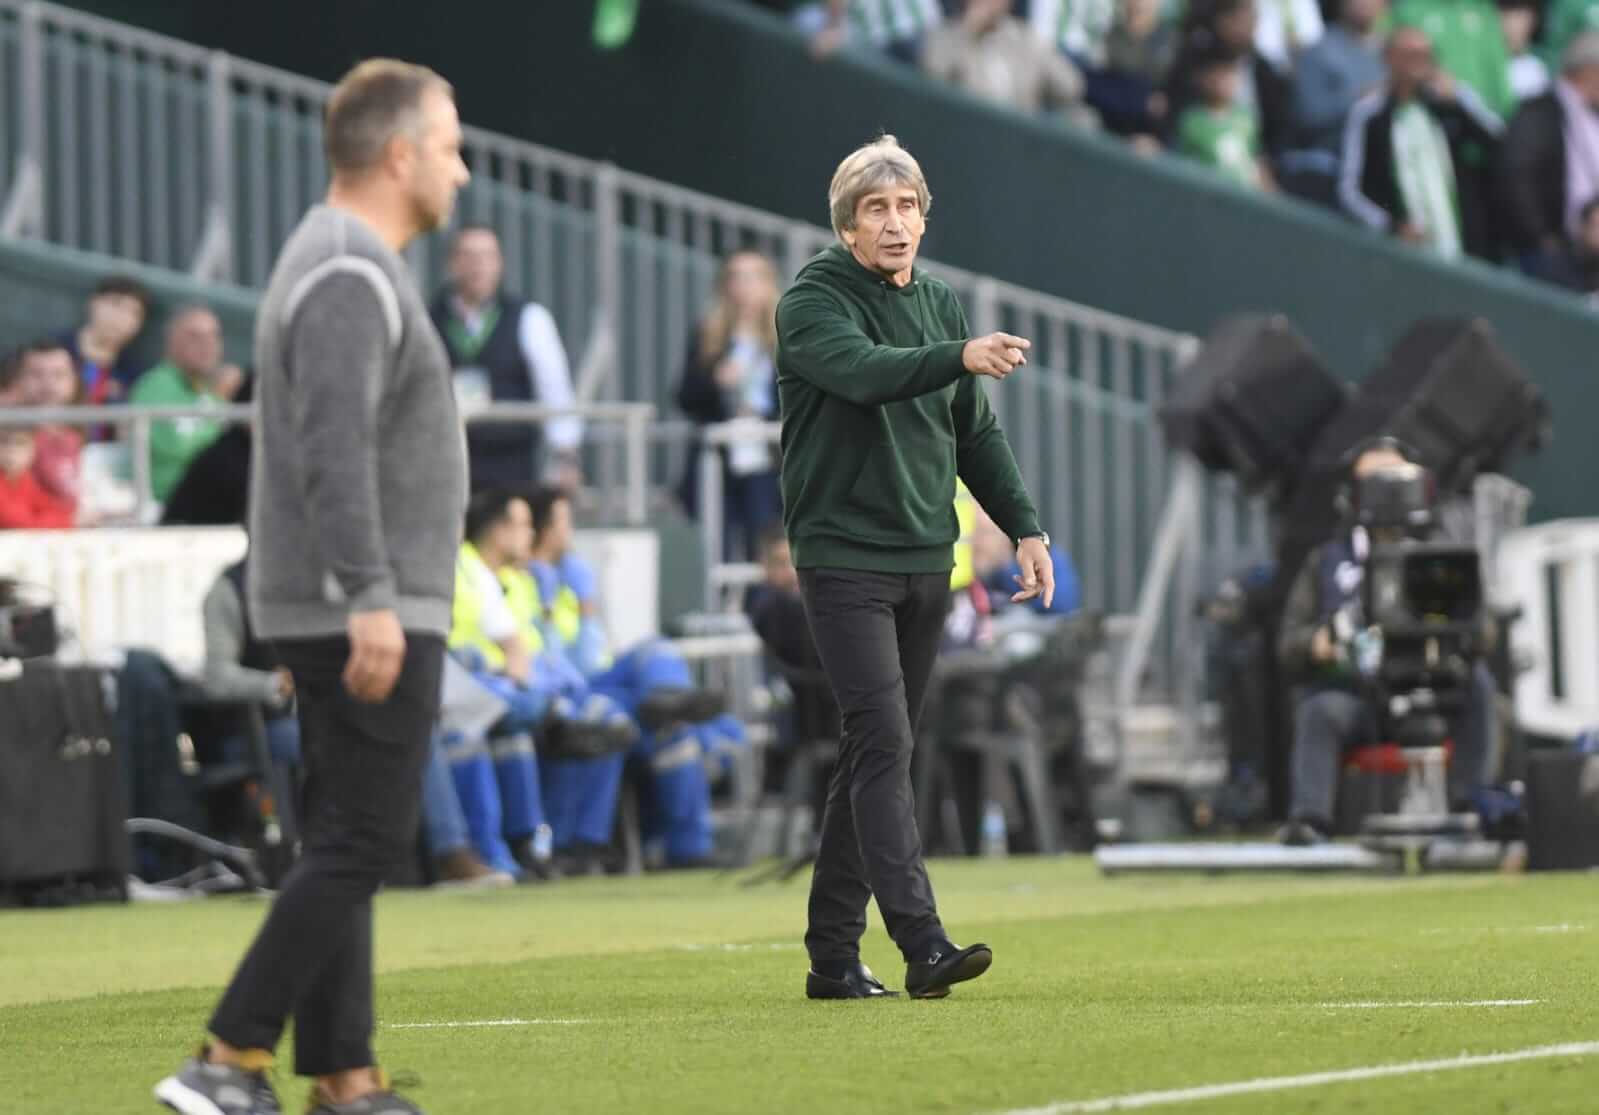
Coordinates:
1079 26
881 22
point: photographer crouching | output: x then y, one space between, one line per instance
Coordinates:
1403 663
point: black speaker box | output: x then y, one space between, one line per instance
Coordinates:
1252 401
62 802
1562 811
1451 393
1308 515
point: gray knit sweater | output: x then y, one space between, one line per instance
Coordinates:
358 481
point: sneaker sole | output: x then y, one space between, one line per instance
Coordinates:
970 968
184 1099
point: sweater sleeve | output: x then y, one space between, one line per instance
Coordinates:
169 444
541 347
818 342
1351 192
224 678
983 457
339 361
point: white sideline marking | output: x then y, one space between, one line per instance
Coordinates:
1563 927
1310 1080
1456 1003
793 946
487 1022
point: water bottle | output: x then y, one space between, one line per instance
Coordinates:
1367 651
995 841
543 843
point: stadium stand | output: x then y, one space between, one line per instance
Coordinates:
623 263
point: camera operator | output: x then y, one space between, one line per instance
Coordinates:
1334 706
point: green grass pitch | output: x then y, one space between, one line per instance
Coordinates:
683 993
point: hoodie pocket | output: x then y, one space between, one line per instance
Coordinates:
875 502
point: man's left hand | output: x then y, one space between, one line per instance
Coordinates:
1038 572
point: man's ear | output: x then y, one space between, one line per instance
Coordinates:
398 155
849 237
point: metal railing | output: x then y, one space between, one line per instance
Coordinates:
624 473
227 154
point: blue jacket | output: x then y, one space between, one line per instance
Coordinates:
1328 79
1001 585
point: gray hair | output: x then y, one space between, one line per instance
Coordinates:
1582 53
877 165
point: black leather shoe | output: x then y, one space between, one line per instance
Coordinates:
1301 834
534 870
561 738
665 707
858 983
932 978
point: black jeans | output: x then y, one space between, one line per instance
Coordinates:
877 635
361 803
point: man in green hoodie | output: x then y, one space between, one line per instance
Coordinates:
882 410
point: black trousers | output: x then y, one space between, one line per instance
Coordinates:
361 805
877 635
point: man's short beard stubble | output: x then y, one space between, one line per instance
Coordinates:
430 220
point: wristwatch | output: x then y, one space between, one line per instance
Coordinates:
1042 536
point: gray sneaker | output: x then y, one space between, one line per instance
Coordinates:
386 1102
200 1088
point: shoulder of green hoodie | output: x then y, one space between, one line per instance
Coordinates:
821 342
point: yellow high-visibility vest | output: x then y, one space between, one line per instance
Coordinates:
466 615
966 512
567 615
522 597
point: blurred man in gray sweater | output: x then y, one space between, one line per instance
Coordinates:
358 487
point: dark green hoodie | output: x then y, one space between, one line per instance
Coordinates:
879 416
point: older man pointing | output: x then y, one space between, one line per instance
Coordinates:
882 410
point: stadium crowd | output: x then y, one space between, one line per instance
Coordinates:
1460 127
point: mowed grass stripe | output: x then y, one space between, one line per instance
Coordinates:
1099 989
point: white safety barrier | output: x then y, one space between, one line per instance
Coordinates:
1551 572
627 565
119 589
